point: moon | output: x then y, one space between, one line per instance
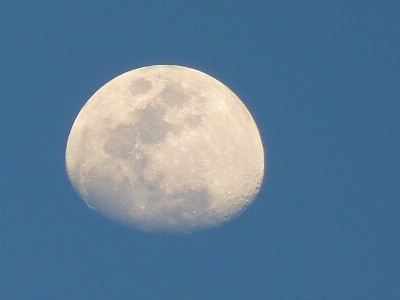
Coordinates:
165 148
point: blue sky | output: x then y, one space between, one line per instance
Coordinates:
321 79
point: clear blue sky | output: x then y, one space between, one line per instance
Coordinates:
322 80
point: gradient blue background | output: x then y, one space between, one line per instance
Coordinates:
322 80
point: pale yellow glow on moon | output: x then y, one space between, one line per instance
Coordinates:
165 148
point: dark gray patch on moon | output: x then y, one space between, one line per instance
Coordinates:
151 128
140 161
193 121
121 141
174 95
140 86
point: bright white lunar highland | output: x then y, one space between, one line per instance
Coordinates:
165 148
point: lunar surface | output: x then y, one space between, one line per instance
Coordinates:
165 148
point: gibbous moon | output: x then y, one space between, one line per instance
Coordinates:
165 148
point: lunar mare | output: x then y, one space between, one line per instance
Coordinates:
165 148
